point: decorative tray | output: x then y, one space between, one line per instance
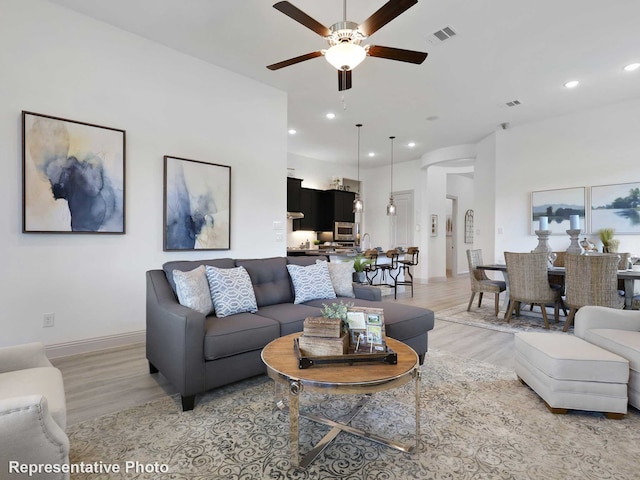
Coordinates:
387 356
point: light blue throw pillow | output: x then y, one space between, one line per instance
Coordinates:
311 282
231 291
192 289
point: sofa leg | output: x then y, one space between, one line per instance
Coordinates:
188 402
152 368
421 359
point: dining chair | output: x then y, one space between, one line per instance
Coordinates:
480 283
409 259
591 280
529 283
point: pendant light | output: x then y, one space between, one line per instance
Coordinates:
357 202
391 208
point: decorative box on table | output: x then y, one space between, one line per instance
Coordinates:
324 342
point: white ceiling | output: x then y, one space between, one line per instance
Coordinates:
505 50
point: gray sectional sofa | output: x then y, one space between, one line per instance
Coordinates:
197 352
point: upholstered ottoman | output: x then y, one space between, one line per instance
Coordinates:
570 373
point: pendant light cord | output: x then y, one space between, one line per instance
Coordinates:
391 192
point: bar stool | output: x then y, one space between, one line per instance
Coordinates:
372 267
389 267
409 260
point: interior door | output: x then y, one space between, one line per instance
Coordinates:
402 225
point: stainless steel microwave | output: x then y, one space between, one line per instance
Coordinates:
344 232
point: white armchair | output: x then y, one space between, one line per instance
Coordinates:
33 414
617 331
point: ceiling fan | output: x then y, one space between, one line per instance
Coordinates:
345 51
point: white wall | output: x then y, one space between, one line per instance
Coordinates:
61 63
594 147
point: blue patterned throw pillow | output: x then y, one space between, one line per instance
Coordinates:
192 289
231 291
311 282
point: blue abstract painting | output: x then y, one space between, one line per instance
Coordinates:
73 176
197 198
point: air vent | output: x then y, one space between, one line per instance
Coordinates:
513 103
441 35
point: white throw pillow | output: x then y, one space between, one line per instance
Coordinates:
231 291
341 274
192 289
311 282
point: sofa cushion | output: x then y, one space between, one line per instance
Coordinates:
341 274
305 260
186 265
270 280
622 342
240 333
289 316
231 291
311 282
193 291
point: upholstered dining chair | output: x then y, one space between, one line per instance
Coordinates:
529 283
591 280
480 283
408 260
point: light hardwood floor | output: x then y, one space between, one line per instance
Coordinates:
107 381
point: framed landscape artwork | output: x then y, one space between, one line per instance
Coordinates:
197 205
558 206
617 207
73 176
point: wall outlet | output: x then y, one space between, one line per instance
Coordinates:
48 320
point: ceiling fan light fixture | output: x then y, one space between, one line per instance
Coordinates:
345 55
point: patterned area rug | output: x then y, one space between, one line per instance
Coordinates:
484 317
478 422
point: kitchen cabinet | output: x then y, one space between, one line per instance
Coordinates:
311 206
294 187
339 206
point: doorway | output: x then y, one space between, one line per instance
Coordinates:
402 225
451 222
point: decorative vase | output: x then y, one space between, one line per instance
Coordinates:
359 277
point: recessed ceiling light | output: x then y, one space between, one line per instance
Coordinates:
292 131
371 154
572 84
632 66
411 144
331 116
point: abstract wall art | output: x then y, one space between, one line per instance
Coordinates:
73 176
197 205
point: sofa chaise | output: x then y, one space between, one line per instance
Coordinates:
197 351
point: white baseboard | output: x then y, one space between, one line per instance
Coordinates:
94 344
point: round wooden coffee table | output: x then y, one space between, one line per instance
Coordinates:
365 378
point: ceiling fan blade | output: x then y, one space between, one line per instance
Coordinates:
344 80
399 54
299 16
293 61
384 15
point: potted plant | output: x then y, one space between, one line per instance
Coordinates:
609 244
359 264
337 310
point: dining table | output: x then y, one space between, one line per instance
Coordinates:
627 276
